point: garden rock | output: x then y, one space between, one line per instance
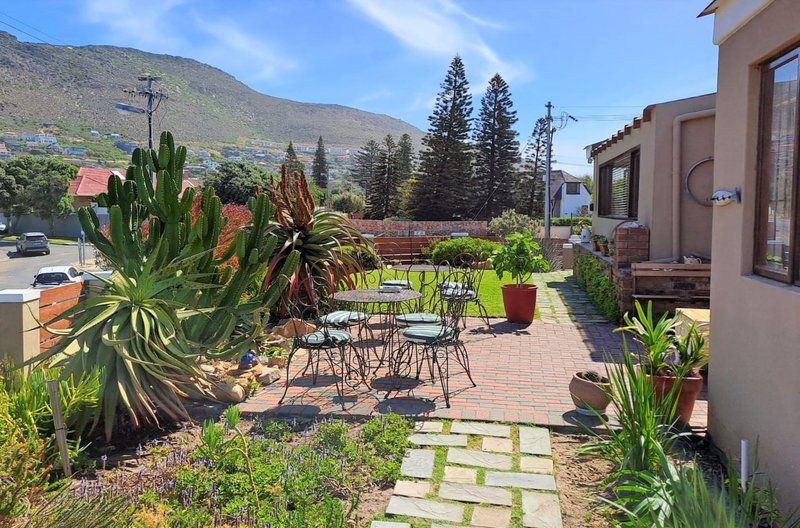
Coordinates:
228 393
269 376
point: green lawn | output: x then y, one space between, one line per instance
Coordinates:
13 238
490 293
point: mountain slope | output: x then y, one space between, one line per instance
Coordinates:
78 86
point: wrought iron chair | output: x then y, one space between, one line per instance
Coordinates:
465 284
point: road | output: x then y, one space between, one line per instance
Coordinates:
17 271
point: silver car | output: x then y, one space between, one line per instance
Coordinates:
32 243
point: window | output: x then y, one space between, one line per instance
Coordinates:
619 186
573 188
777 210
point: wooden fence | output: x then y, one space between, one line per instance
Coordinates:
52 303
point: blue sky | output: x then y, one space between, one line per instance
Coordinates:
600 60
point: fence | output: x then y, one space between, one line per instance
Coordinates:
52 303
404 249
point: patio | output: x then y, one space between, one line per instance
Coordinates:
522 374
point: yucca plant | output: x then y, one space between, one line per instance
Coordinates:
655 337
318 236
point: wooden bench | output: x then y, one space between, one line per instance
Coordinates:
670 272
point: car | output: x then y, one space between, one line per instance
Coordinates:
56 275
33 243
3 228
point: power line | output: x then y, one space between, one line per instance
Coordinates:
33 28
24 32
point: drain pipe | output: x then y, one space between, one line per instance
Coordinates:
676 175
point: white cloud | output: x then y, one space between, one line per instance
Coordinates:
440 28
142 24
370 97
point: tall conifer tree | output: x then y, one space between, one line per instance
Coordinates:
446 159
405 158
530 195
292 162
365 164
319 168
382 191
496 152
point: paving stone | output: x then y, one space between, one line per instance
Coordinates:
469 457
536 464
476 494
481 428
410 488
491 517
521 480
418 463
428 427
425 509
459 474
534 441
499 445
438 440
540 510
388 524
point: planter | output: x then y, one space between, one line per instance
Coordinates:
519 301
595 245
604 249
687 394
590 398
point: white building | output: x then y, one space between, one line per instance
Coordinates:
569 194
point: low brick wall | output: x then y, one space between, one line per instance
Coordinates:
390 228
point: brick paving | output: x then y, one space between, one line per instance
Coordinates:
522 373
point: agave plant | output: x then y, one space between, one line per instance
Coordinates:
171 300
318 236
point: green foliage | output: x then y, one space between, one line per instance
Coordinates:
520 258
590 274
23 472
511 222
655 337
319 168
392 166
475 249
348 202
36 185
293 164
237 182
530 191
64 510
496 151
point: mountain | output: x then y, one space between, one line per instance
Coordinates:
77 87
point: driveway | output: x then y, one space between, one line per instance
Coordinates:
17 271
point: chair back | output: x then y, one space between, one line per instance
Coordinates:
453 313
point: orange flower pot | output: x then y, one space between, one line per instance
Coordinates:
687 393
519 300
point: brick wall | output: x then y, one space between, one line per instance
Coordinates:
632 244
476 228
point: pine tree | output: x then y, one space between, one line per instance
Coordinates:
365 164
319 169
382 191
405 158
496 152
531 185
290 160
446 160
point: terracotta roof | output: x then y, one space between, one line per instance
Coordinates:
92 181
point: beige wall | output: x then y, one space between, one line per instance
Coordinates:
19 310
754 390
656 183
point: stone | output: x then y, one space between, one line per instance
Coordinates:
269 376
540 510
388 524
228 393
534 441
425 509
480 428
491 517
467 457
460 475
521 480
438 440
410 488
498 445
418 463
428 427
208 369
475 494
534 464
293 328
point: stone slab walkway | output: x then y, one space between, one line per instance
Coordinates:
522 373
471 487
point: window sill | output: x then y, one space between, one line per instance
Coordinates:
792 289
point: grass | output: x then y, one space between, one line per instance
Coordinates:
13 238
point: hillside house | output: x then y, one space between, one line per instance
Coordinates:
92 181
94 133
78 152
569 195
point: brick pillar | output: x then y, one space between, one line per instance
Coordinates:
632 244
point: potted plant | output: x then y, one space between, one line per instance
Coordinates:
603 243
596 242
276 356
590 392
520 258
667 358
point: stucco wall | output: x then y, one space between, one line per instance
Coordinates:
656 183
754 391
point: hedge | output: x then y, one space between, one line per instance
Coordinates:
591 275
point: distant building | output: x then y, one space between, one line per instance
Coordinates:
41 139
213 165
94 133
79 152
10 137
55 148
4 153
92 181
126 146
570 197
115 136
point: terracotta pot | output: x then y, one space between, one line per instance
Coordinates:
687 394
519 301
595 245
604 249
588 396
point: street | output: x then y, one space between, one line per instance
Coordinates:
17 271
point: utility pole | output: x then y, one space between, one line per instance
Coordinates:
154 99
548 168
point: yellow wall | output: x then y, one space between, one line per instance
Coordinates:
754 387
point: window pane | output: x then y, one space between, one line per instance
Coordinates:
778 169
617 175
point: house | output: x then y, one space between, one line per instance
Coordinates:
126 146
641 174
94 133
55 148
115 136
569 195
78 152
4 153
91 181
755 298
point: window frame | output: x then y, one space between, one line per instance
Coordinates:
576 186
792 276
604 190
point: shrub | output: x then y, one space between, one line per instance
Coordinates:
519 258
365 256
348 202
590 275
475 249
511 222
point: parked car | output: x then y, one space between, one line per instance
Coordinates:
56 275
3 228
32 243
